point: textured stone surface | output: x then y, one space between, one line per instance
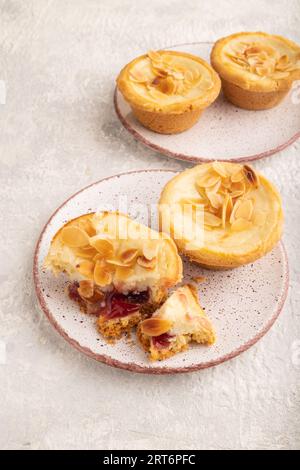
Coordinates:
59 132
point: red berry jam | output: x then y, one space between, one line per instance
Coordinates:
161 341
120 305
113 305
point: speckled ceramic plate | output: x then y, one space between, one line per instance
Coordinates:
242 303
223 132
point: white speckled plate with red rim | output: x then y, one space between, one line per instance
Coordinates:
223 132
242 303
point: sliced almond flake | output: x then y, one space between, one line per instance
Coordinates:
86 268
220 168
150 249
212 220
251 175
215 199
154 55
129 256
117 262
74 236
224 209
86 253
258 218
86 289
88 227
241 224
103 246
244 210
102 276
207 180
146 263
155 326
237 177
234 209
215 188
138 77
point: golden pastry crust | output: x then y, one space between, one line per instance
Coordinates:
257 61
116 252
178 322
237 221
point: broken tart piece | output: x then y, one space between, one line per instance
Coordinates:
221 215
179 321
119 270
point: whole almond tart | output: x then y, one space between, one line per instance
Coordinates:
221 215
257 69
168 90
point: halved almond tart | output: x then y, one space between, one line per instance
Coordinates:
168 90
119 270
257 69
177 323
221 215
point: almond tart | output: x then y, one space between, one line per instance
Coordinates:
178 322
221 215
119 270
167 90
257 69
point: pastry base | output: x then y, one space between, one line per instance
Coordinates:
167 123
252 100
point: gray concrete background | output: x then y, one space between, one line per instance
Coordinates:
58 133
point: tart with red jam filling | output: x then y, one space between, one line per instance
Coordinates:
177 323
119 270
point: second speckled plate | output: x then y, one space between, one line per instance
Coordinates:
242 303
223 132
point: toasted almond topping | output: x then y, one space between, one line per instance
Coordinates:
207 180
88 227
86 268
220 168
150 249
86 252
244 210
74 236
117 262
102 276
215 199
129 256
155 326
138 77
237 177
224 209
251 176
155 56
146 263
215 188
212 220
86 289
104 247
234 209
240 224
